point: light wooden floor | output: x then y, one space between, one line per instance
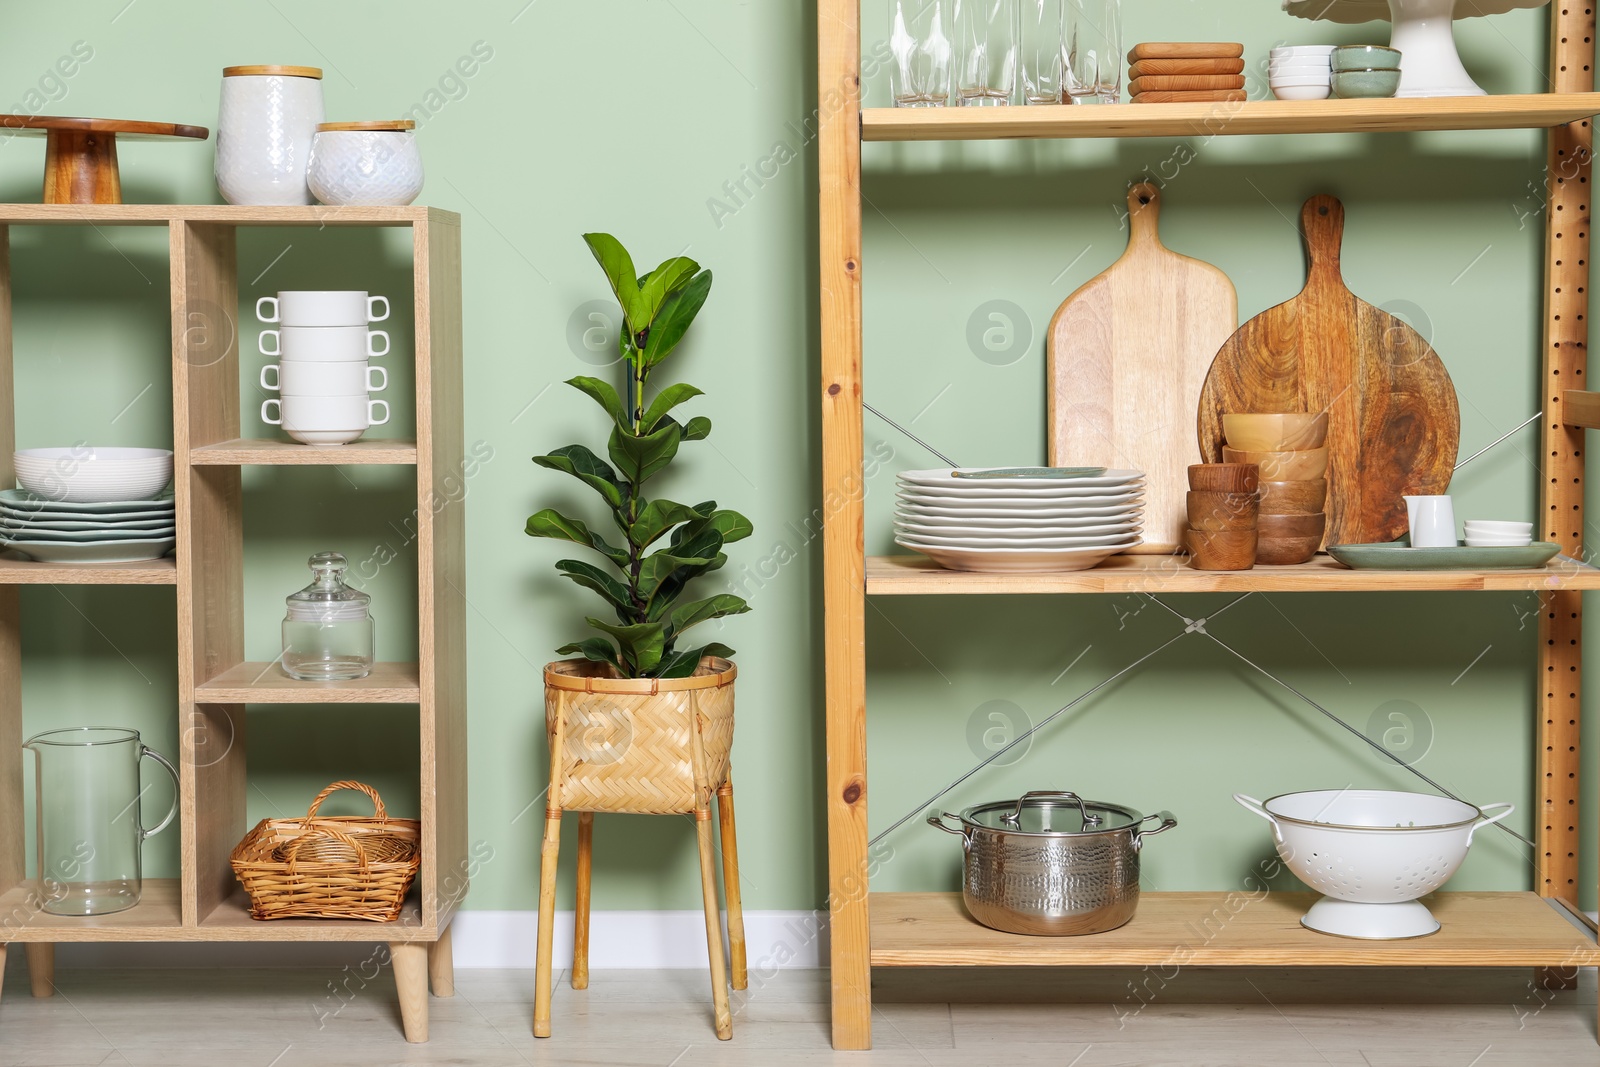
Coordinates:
291 1018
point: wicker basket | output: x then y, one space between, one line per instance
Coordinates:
627 744
339 867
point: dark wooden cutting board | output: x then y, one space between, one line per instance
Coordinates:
1393 421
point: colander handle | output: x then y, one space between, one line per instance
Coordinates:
1252 804
1487 819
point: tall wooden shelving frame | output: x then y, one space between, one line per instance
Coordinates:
930 929
215 683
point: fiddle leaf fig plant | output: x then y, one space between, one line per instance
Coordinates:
646 590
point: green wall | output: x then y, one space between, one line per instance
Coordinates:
630 117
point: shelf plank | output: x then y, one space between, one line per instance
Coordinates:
230 921
1232 929
146 572
265 683
155 918
916 575
1581 408
1530 111
161 214
254 452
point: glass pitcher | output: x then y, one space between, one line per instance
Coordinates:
88 824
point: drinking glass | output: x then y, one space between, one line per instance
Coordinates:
1043 51
986 39
919 38
1094 51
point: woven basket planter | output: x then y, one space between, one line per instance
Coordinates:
632 744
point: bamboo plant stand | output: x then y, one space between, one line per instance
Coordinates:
215 683
1543 930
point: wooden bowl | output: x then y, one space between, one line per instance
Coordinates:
1223 511
1285 526
1283 466
1305 497
1223 477
1281 551
1222 550
1276 433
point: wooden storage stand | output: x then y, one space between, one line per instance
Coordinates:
931 929
205 903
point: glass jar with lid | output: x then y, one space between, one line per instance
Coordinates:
327 632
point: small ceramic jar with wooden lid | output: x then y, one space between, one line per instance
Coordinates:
366 163
268 117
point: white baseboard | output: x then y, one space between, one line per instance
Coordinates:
619 940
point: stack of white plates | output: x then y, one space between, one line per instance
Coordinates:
1018 523
54 531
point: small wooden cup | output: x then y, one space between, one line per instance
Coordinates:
1283 466
1275 433
1222 511
1271 526
1305 497
1222 550
1224 477
1286 550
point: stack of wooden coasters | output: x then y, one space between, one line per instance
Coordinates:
1172 73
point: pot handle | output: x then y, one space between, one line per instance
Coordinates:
1487 819
1167 823
937 822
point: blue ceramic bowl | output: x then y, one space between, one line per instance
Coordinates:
1365 57
1365 84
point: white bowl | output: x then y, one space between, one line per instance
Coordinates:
1324 50
1499 542
1377 849
1301 92
1300 81
1301 63
84 474
1299 69
1494 526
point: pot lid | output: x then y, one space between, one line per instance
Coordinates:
1049 811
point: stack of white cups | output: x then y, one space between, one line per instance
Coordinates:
322 377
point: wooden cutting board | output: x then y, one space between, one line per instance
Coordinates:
1393 421
1143 68
1128 353
1185 83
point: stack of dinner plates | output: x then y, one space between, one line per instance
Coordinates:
1036 520
58 531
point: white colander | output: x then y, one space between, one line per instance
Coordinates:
1372 853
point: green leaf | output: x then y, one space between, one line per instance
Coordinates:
597 580
597 649
641 644
697 429
693 614
665 401
705 537
657 518
640 457
668 278
683 664
665 596
604 395
551 523
581 463
618 265
674 319
659 566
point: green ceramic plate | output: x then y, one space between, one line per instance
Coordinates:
1400 556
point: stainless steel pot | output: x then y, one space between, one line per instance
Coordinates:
1052 862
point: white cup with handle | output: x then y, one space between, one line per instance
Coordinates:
322 307
325 420
1433 521
294 378
325 344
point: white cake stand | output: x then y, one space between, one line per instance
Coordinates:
1429 63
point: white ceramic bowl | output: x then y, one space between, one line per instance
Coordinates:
1301 63
1308 70
1498 542
1300 82
84 474
1494 526
1301 92
1323 50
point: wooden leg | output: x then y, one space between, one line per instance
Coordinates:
730 885
580 912
719 972
547 923
411 980
442 966
2 965
81 168
41 967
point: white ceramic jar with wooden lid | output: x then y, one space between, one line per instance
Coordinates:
366 163
268 118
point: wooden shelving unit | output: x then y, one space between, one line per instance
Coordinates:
1542 929
215 683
